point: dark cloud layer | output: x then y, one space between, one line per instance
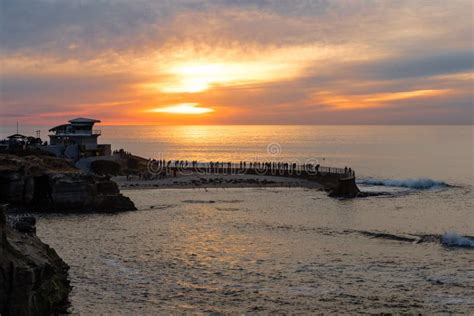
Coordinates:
428 64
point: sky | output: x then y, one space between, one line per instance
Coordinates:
131 62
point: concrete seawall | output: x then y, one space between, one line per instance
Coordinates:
337 184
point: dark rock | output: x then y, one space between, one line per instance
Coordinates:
113 203
30 220
107 187
33 278
56 186
371 194
345 188
107 167
26 225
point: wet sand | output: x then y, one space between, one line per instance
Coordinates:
214 181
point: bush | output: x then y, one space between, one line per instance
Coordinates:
132 163
105 167
20 152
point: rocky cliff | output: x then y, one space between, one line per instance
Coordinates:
33 278
344 188
42 183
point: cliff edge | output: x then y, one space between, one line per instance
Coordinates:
33 278
51 184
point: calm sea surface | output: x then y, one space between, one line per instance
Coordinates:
437 152
281 249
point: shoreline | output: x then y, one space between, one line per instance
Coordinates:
213 181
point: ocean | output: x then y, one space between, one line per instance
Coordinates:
283 250
394 152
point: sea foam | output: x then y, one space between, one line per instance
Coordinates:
421 183
451 239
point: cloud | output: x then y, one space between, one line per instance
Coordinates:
81 28
75 28
61 56
424 65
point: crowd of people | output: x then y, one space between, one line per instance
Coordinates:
166 167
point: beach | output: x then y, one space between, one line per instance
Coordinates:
224 181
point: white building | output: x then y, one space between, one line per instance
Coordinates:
80 131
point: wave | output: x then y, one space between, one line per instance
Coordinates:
452 239
449 239
420 184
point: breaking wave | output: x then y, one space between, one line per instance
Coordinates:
449 239
420 184
452 239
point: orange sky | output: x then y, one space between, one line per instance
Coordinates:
284 62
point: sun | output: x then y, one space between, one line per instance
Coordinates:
183 108
193 78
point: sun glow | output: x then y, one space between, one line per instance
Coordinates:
374 100
183 108
189 70
198 77
192 78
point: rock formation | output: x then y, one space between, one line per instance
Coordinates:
345 188
46 183
33 278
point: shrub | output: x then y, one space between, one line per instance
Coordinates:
105 167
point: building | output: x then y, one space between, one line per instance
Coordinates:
17 138
14 141
80 131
